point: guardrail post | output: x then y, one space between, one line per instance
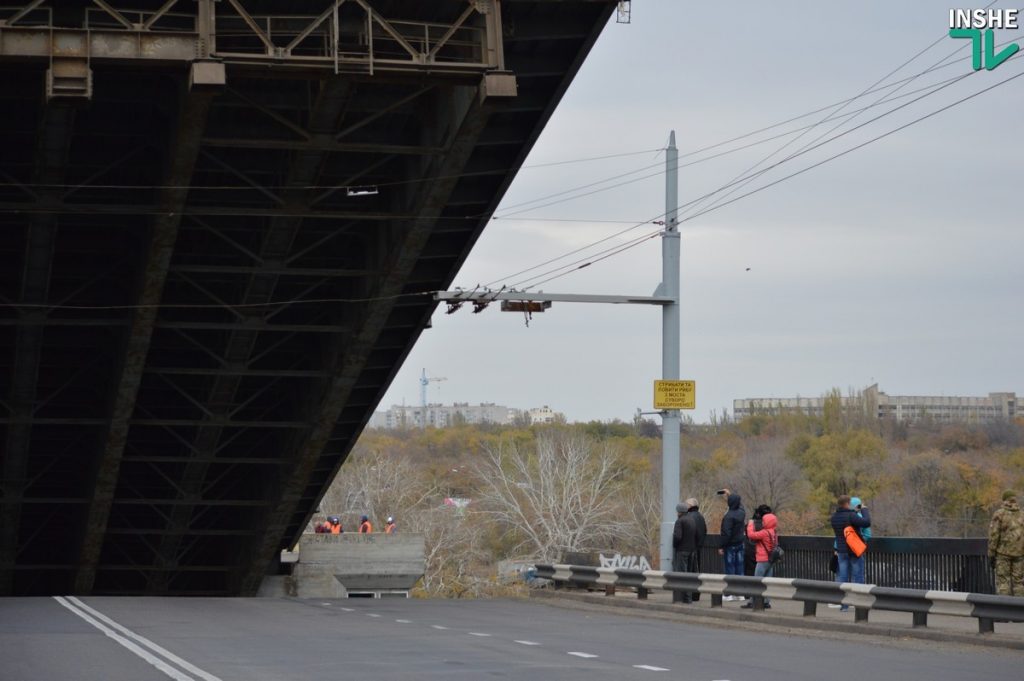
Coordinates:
641 593
986 625
716 600
609 589
810 608
860 614
758 604
920 619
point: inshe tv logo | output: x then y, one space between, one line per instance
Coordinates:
968 23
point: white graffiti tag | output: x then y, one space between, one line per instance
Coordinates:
628 562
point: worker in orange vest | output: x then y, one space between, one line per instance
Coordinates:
365 526
390 527
335 522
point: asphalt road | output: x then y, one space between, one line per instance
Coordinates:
143 639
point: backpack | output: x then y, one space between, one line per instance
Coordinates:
854 542
776 554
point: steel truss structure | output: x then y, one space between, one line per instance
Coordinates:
176 186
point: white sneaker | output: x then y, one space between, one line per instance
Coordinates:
732 598
834 605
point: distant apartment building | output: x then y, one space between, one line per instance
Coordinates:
543 414
995 407
443 416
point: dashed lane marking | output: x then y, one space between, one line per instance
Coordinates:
372 614
651 668
477 633
587 655
438 626
349 609
528 643
404 621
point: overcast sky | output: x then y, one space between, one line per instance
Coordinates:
899 263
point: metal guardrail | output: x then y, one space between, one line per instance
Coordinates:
929 563
862 597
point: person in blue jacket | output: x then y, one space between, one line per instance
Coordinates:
851 567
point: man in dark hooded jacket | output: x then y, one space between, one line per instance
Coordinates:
734 524
684 538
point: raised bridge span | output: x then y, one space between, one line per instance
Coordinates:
176 178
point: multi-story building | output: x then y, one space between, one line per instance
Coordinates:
442 415
1000 406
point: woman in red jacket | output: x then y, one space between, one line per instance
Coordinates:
765 539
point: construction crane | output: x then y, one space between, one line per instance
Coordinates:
424 382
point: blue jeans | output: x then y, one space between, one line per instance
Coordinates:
851 569
733 556
763 570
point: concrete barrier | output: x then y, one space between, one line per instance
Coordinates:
341 565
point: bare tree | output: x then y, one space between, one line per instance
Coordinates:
452 550
764 475
377 484
563 496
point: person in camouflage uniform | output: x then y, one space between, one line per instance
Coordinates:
1006 546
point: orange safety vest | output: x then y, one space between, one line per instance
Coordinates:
389 528
336 529
366 527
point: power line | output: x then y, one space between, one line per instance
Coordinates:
819 163
834 114
735 181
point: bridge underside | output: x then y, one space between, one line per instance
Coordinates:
214 229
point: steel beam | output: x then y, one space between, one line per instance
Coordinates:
278 243
465 114
184 146
55 132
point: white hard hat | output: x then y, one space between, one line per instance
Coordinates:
390 519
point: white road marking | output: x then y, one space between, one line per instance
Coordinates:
651 668
528 643
404 621
477 633
93 617
582 654
438 626
349 609
372 614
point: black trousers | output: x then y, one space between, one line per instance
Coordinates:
681 563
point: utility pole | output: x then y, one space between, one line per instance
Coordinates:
670 351
666 295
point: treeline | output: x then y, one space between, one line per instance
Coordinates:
536 492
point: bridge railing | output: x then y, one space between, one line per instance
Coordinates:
937 563
862 597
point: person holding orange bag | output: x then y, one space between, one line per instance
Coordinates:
851 564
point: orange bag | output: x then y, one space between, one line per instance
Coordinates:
854 542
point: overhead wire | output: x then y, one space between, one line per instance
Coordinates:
833 115
830 158
732 183
944 63
745 178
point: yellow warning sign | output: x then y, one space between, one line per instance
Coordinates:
675 394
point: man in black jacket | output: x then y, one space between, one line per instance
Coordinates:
851 567
734 532
684 544
701 525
